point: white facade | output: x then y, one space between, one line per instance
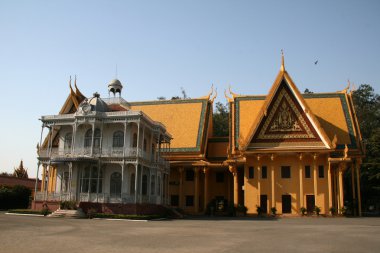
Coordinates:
101 155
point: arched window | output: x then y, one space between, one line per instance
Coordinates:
132 184
134 142
97 138
152 184
144 146
68 141
158 185
88 138
115 184
118 139
144 184
89 180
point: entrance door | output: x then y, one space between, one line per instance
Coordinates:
310 203
264 203
286 204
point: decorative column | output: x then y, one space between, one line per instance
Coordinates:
358 162
340 179
196 190
315 157
258 180
329 185
234 172
300 167
122 181
92 139
206 172
180 170
43 183
353 187
273 182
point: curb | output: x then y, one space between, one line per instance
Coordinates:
26 214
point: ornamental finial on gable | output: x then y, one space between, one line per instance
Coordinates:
282 61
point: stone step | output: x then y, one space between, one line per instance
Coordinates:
68 213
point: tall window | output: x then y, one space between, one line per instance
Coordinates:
321 171
219 176
307 171
144 184
158 185
189 175
145 145
115 184
88 138
251 172
264 172
68 141
89 180
97 138
285 171
132 184
152 184
118 139
134 141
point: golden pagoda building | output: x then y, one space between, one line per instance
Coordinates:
290 150
285 150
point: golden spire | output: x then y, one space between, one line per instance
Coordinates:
216 94
71 88
282 61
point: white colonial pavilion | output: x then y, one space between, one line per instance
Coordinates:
103 152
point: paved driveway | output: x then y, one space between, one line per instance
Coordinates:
39 234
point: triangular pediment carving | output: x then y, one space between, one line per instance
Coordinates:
285 120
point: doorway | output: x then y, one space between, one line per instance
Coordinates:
310 203
286 203
264 203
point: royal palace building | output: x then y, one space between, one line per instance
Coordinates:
285 150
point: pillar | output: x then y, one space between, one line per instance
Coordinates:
206 190
272 182
300 168
358 187
196 190
329 185
181 200
315 179
234 172
353 187
340 179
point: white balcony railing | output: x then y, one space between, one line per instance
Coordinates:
91 197
96 152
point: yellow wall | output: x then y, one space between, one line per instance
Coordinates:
282 186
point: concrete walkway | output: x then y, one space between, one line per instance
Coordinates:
41 234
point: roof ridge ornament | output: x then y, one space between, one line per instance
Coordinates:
282 61
345 90
216 94
232 93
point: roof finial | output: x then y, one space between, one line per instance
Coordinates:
75 82
282 60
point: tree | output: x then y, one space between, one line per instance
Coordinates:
367 107
20 172
220 120
6 174
307 91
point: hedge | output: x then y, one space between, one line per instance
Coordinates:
14 197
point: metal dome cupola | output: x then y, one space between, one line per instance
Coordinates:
115 86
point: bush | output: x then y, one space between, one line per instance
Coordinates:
68 205
259 210
317 210
27 211
15 197
332 210
242 208
273 211
126 216
303 211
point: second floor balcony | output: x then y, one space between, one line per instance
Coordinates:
96 152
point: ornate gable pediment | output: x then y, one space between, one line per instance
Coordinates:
285 121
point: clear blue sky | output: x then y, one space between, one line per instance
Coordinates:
160 46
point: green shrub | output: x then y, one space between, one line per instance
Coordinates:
15 197
303 211
242 208
273 210
68 205
126 216
332 210
28 211
259 210
317 210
